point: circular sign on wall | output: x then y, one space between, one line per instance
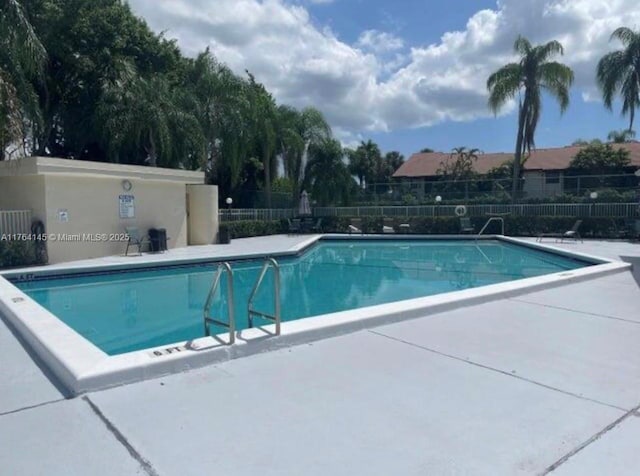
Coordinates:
126 185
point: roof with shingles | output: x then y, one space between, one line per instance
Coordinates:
427 164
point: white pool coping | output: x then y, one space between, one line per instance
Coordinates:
81 366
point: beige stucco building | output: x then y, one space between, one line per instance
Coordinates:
85 206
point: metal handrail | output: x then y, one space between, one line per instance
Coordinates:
208 320
486 257
251 312
500 219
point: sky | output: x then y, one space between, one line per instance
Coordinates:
407 74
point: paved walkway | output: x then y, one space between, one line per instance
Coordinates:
547 382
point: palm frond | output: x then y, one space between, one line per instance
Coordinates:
630 91
546 51
610 74
557 78
17 34
522 46
503 85
626 35
619 72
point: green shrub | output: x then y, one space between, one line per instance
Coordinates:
514 226
245 229
522 226
18 253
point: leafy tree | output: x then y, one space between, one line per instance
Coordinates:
22 58
600 159
527 79
394 161
110 89
264 121
291 145
282 185
365 161
620 137
88 44
502 171
297 131
223 110
382 170
327 175
150 115
426 150
460 166
619 72
584 142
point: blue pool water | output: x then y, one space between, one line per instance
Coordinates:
126 311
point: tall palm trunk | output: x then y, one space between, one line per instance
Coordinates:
153 158
517 157
267 179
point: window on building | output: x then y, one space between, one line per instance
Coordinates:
552 178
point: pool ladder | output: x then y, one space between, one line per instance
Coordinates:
215 284
500 219
252 313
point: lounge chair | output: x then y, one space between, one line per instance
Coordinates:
404 228
572 234
307 225
632 228
387 226
295 226
355 226
317 227
466 226
135 239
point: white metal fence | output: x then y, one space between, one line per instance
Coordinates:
15 222
256 214
605 210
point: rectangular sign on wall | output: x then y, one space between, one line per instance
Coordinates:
63 215
127 206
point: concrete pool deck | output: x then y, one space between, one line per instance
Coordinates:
544 382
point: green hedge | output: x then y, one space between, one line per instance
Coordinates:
605 195
524 226
245 229
18 253
514 226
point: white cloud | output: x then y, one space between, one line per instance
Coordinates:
377 84
379 41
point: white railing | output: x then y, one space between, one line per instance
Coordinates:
15 222
606 210
609 210
256 214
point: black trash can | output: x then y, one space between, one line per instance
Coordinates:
224 237
157 240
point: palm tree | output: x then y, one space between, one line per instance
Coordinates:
297 132
619 137
619 71
527 79
460 163
21 60
264 124
394 160
363 162
223 111
152 121
327 175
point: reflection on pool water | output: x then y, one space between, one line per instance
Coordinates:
130 310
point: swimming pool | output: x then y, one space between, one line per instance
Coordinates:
139 309
110 324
